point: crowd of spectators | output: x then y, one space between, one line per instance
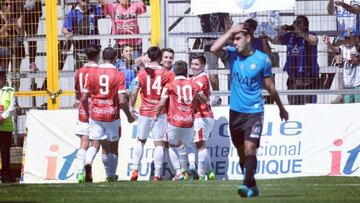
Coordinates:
21 18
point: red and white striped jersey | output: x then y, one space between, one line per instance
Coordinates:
104 85
81 77
151 83
203 110
181 93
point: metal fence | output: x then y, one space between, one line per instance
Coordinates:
164 23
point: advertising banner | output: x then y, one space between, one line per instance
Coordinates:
318 140
239 6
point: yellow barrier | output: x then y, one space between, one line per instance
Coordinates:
155 22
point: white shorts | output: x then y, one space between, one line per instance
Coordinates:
147 125
82 129
202 128
104 130
175 134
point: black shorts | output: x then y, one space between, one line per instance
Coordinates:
245 126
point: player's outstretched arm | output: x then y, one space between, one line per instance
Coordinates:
330 7
270 87
355 9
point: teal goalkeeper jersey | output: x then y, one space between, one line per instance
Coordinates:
247 78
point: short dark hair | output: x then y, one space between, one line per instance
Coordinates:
154 53
181 68
170 50
92 51
109 53
252 23
201 58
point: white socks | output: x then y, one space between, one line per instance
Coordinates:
190 150
158 159
182 157
202 157
80 156
174 158
90 154
110 162
167 159
105 160
113 163
208 163
138 153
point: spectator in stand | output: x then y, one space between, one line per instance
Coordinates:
123 15
258 42
301 59
82 20
7 108
11 37
351 67
347 16
31 16
127 65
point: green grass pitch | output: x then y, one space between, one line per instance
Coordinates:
305 190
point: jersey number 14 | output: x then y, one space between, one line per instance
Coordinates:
156 85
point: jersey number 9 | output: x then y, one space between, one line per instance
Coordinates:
104 84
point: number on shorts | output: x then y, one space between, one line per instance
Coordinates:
185 93
155 86
104 84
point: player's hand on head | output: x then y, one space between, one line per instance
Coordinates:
236 29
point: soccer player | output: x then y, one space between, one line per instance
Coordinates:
82 129
250 70
106 87
181 94
152 79
204 118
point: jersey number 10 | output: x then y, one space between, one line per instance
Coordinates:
185 93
